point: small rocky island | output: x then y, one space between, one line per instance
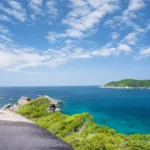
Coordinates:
128 84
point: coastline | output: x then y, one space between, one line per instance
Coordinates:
80 129
119 87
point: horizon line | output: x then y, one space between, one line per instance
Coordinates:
43 85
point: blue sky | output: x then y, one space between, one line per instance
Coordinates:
73 42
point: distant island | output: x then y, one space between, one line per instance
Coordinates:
128 84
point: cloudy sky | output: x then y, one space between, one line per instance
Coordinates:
73 42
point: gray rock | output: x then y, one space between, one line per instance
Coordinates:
59 101
6 107
50 109
23 100
57 110
14 108
39 96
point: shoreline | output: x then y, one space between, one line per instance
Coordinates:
79 129
127 87
54 107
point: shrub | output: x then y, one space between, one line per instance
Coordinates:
80 130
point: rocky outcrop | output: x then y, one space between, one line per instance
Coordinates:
7 106
53 103
14 107
24 100
19 133
57 110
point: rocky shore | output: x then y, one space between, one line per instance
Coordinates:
53 107
20 133
79 130
119 87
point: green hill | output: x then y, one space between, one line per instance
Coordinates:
130 83
80 131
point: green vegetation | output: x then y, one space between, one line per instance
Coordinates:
80 130
130 83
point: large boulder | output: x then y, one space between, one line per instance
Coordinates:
6 107
57 110
52 101
23 100
14 108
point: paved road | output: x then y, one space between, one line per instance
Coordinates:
15 135
6 115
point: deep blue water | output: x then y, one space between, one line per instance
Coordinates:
125 110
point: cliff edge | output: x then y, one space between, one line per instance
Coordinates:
19 133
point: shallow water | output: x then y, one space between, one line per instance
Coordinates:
125 110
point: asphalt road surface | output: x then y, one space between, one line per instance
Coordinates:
15 135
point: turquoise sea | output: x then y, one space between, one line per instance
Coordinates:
125 110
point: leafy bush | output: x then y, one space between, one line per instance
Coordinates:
80 130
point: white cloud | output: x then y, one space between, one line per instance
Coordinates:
33 17
126 19
16 58
133 37
80 22
115 35
110 50
133 8
16 12
68 41
52 36
124 47
74 33
144 52
148 27
51 8
136 5
4 18
80 53
104 52
37 2
111 23
6 39
41 8
5 36
85 15
4 30
35 7
15 5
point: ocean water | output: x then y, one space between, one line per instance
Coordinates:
125 110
